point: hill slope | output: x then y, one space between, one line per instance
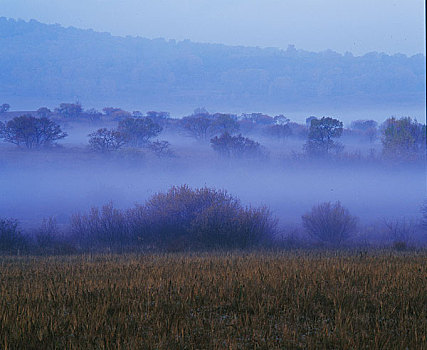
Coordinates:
53 63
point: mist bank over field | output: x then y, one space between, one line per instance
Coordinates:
50 64
91 158
40 185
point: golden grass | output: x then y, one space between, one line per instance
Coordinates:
214 301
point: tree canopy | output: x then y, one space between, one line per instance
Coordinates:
31 132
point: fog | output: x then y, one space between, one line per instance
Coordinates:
63 181
349 60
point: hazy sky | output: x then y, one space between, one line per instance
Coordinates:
358 26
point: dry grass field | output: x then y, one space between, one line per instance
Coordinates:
314 300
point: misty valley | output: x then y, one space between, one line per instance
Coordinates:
213 175
69 162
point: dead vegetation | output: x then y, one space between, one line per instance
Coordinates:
214 301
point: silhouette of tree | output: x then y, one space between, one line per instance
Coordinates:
224 123
236 146
403 138
31 132
104 140
138 132
69 110
199 127
321 134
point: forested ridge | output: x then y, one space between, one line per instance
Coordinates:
50 61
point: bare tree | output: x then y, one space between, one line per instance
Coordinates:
330 222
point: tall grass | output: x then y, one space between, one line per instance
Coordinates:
221 301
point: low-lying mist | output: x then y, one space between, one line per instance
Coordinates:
69 179
51 188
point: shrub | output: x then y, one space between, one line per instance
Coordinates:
400 246
330 222
12 241
182 218
107 227
400 232
202 218
49 239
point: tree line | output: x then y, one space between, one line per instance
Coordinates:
401 138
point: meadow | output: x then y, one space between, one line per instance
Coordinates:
236 300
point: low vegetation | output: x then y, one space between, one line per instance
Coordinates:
180 219
330 223
221 301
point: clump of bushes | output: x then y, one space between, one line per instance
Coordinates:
330 223
101 228
49 239
12 240
400 232
182 218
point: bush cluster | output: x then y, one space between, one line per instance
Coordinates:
182 218
330 223
12 241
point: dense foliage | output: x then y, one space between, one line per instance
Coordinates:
403 138
138 131
237 147
321 134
